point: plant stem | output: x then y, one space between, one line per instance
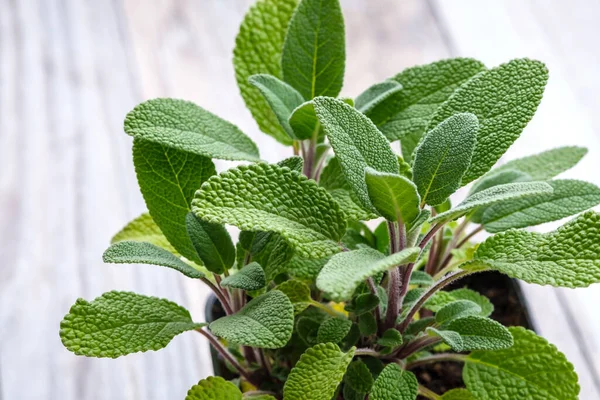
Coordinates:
263 361
432 255
219 294
436 358
416 345
393 278
430 292
423 391
226 354
430 234
373 289
366 352
469 236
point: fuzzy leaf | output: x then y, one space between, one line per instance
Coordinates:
345 271
282 98
375 95
212 243
424 89
457 309
359 377
184 126
168 179
304 120
421 278
500 178
531 369
144 229
504 99
393 383
451 338
364 303
357 144
566 257
298 293
294 163
214 388
367 324
314 52
318 373
265 322
569 197
390 338
443 157
263 197
305 268
393 196
493 195
258 48
251 277
132 252
458 394
480 333
120 323
333 330
487 308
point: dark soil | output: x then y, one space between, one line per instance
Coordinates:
509 309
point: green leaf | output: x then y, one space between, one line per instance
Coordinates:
305 268
263 197
257 396
493 195
443 157
298 293
500 178
318 373
566 257
359 377
451 338
282 98
273 253
504 99
568 198
120 323
421 278
413 232
424 89
304 121
265 322
458 394
367 324
545 165
144 229
457 309
132 252
168 179
393 196
345 271
307 329
487 308
364 303
251 277
375 95
531 369
390 338
314 52
214 388
258 48
333 330
393 383
294 163
357 143
480 333
184 126
212 243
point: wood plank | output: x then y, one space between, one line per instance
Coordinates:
557 33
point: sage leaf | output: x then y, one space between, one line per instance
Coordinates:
375 95
212 243
304 120
214 388
298 293
250 277
457 309
476 333
458 394
394 383
393 196
120 323
144 229
294 163
359 377
314 52
333 330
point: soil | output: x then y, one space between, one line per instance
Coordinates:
509 309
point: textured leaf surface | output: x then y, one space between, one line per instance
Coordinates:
504 99
493 195
120 323
282 98
451 338
424 89
480 333
298 293
567 257
443 157
487 308
318 373
214 388
294 163
265 322
258 48
251 277
304 121
375 95
131 252
393 383
569 197
458 394
264 197
212 243
457 309
333 330
305 268
168 179
144 229
390 338
314 52
184 126
359 377
531 369
500 178
393 196
345 271
357 144
421 278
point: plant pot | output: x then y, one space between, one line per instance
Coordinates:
510 309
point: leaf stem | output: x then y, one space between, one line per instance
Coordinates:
436 358
373 289
469 236
219 294
416 345
394 281
366 352
423 391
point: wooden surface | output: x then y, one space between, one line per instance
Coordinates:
71 69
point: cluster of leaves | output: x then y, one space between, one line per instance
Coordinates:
319 306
